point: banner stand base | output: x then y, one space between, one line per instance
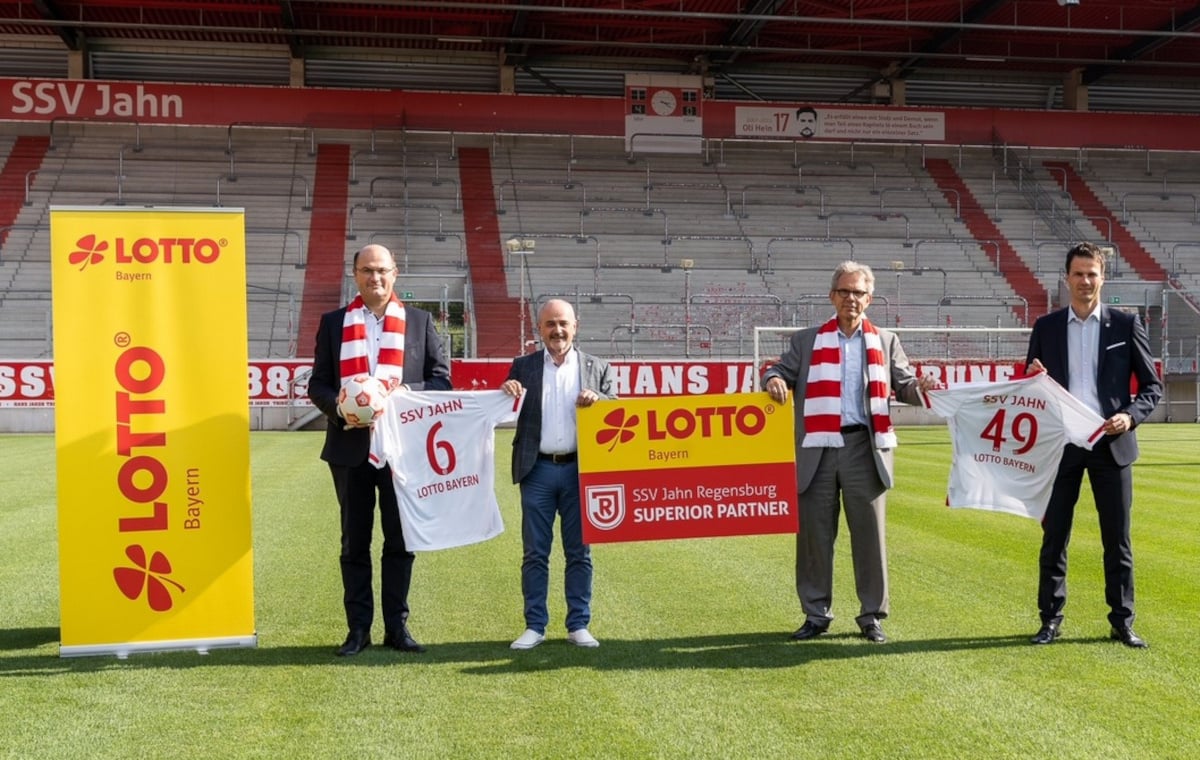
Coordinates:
122 651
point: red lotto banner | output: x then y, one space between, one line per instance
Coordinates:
686 467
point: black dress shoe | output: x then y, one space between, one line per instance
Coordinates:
402 640
809 630
873 633
1127 637
356 641
1046 634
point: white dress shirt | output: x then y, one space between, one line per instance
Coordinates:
560 388
1083 356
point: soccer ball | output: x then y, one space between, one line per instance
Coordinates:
361 399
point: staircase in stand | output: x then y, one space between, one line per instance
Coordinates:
1145 266
26 155
1019 276
497 314
326 242
1092 207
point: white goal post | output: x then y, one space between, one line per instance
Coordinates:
963 353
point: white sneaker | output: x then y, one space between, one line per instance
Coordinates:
582 638
528 640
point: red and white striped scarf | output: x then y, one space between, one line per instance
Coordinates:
823 392
389 364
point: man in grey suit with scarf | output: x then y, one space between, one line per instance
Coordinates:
396 343
1093 351
558 379
844 372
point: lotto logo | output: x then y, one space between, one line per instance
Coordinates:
90 249
620 428
725 421
147 577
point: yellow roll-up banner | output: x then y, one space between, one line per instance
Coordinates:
151 429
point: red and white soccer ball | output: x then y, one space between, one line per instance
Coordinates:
361 399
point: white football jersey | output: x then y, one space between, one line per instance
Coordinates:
441 448
1008 440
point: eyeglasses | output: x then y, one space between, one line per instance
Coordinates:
857 295
368 272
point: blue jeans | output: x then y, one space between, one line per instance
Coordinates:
553 489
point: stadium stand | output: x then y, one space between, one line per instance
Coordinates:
24 276
97 165
665 255
685 253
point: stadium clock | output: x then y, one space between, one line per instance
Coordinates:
663 102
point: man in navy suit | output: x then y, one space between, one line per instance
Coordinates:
410 354
558 379
1094 351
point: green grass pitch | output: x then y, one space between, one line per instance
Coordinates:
694 662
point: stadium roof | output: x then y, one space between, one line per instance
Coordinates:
1133 54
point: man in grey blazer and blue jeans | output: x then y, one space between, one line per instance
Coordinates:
558 379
